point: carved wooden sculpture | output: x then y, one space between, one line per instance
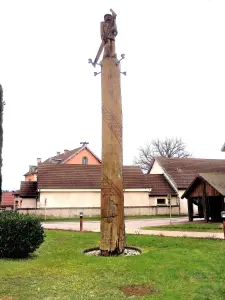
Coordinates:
108 31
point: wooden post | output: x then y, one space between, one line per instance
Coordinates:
81 221
224 228
190 209
205 203
112 201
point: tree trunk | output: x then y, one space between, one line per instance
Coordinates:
112 200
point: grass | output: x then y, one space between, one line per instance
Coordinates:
208 227
56 219
177 268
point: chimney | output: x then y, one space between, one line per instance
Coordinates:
57 153
32 168
38 160
66 150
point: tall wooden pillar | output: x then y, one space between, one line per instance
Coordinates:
205 203
112 201
190 209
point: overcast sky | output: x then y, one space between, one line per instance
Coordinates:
175 83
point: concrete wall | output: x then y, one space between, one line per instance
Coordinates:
95 211
71 203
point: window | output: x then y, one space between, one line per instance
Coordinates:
161 201
84 160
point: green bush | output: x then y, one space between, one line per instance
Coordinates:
20 235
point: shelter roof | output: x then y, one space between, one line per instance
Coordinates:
216 180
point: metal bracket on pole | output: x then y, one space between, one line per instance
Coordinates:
96 73
92 63
122 57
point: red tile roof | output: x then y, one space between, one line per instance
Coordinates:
59 159
51 176
28 189
63 157
159 185
7 199
183 170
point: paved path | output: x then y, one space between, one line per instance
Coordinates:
133 227
192 234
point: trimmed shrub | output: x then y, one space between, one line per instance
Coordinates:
20 235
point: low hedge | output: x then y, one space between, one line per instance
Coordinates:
20 235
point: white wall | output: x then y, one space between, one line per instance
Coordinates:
88 199
57 199
70 199
174 200
184 204
156 168
28 203
136 199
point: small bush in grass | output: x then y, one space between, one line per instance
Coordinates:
20 235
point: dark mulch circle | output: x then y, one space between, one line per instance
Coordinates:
138 290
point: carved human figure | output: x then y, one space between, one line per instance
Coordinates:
108 34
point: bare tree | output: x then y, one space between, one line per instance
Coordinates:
1 137
169 147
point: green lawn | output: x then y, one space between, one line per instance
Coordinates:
209 227
54 219
177 268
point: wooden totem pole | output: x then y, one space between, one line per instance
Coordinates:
112 200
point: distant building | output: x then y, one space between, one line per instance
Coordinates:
82 155
8 199
180 172
65 190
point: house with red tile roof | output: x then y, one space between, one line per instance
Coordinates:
67 189
180 172
81 155
7 200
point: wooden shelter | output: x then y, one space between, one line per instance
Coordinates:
207 191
